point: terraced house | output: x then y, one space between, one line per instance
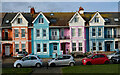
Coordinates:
48 34
15 35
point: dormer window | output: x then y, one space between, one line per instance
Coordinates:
96 19
116 19
19 20
41 20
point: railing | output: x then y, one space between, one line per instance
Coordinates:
6 39
112 36
64 37
54 38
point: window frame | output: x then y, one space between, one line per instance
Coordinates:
22 33
80 46
79 32
16 48
94 32
38 47
74 47
100 46
45 47
41 20
73 34
16 33
94 46
97 20
38 33
44 32
100 32
19 20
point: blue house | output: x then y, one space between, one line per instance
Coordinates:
40 36
96 33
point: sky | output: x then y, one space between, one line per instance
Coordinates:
59 6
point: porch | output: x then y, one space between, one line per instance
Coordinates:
7 49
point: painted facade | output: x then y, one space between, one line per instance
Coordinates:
41 36
50 34
77 34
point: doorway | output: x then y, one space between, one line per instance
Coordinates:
7 50
108 46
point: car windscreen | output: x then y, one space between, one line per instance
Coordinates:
89 56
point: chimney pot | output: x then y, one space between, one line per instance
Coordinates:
81 10
32 10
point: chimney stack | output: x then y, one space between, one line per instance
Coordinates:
81 10
32 10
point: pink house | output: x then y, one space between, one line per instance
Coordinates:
77 33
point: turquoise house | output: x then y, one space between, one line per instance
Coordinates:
40 40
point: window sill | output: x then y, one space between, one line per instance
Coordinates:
41 23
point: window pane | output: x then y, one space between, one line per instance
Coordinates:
93 32
55 46
80 46
19 20
23 47
73 32
44 32
116 44
44 47
99 32
74 46
94 46
17 47
23 32
16 33
79 32
41 20
38 47
37 33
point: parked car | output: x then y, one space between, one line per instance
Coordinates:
21 54
30 60
62 60
95 59
116 54
116 59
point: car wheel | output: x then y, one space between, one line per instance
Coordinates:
38 65
88 63
106 62
71 64
52 64
18 66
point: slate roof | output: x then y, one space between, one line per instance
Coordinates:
1 17
62 18
10 16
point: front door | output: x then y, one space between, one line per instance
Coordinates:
7 50
63 48
108 46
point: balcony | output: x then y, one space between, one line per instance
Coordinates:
54 38
6 39
112 36
64 37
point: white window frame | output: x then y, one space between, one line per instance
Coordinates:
79 33
92 32
24 47
38 48
94 46
16 33
38 33
16 48
100 32
100 46
44 47
22 33
97 18
73 47
20 20
73 34
80 46
44 32
41 20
